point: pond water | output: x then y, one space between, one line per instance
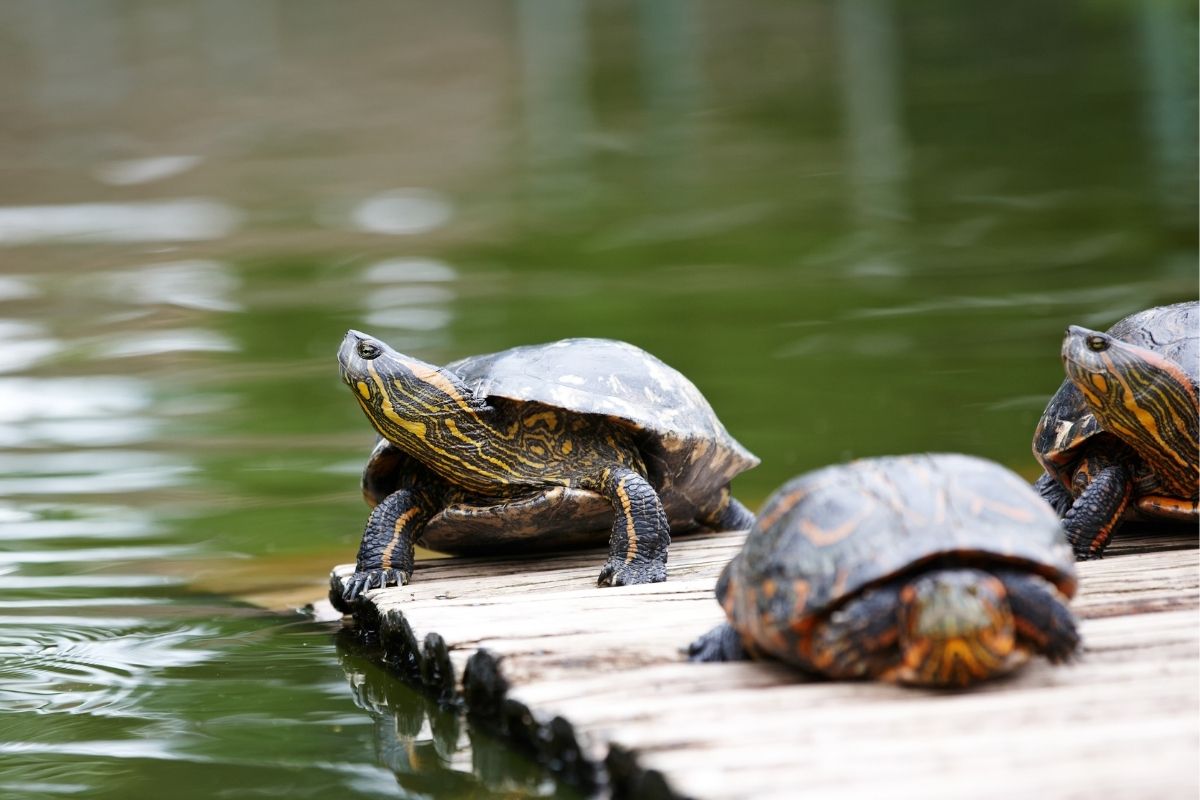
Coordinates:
860 227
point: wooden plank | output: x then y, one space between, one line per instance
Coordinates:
584 676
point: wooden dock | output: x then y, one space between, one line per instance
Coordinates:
593 683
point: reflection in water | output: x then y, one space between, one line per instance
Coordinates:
22 345
162 221
409 295
99 410
858 226
430 749
878 157
192 340
1111 302
402 212
16 288
558 116
98 667
1167 38
670 46
199 284
416 270
144 170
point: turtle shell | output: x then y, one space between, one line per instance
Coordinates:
689 455
1068 425
829 534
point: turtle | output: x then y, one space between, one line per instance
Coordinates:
536 447
935 570
1119 438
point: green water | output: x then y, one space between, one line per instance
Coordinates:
860 227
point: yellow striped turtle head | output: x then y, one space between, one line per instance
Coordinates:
1148 401
956 628
401 395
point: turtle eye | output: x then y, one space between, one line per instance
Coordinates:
368 350
1097 344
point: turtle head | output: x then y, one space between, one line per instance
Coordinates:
1147 400
402 396
1094 361
956 627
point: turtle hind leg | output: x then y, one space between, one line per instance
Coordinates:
1097 511
637 549
1043 621
385 557
729 515
722 643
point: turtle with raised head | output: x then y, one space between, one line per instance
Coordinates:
933 570
536 447
1120 435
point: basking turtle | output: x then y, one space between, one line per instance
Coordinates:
936 570
1121 431
536 447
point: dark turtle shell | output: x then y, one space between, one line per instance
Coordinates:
689 455
1067 425
827 535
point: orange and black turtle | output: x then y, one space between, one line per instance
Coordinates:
1120 435
536 447
933 570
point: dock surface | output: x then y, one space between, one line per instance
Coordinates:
594 683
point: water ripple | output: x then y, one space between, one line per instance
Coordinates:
185 219
97 665
198 284
24 345
46 582
183 340
93 555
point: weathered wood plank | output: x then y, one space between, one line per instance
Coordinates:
582 674
446 578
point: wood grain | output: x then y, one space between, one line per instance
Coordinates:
594 681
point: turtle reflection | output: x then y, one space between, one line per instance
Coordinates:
429 748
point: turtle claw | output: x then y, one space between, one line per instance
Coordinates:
1065 650
361 582
622 574
1086 553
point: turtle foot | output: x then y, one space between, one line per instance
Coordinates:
1083 547
618 573
360 582
722 643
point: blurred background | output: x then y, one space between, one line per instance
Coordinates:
859 226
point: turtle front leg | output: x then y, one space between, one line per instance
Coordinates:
637 549
722 643
1054 493
1097 510
862 638
1043 621
385 557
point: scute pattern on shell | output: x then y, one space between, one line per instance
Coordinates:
691 453
597 376
837 530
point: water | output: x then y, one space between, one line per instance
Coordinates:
860 227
